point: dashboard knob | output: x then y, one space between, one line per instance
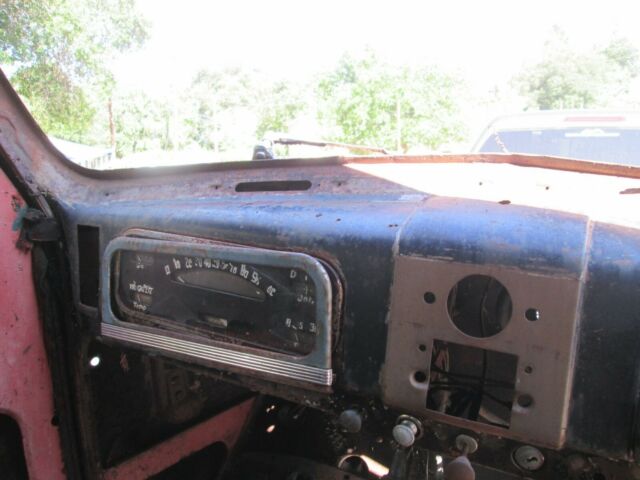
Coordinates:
405 433
350 420
459 469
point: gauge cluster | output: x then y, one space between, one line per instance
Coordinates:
260 306
243 308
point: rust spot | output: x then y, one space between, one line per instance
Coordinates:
16 204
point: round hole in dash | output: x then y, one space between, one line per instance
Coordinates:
525 400
532 314
528 369
420 377
479 306
422 347
430 298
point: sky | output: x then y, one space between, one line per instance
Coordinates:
486 42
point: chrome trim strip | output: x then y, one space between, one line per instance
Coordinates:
220 355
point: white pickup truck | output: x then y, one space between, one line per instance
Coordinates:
601 136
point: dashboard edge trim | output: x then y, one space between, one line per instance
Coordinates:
248 361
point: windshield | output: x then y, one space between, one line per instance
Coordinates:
142 83
607 145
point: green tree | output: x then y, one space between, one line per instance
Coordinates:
366 101
229 110
279 104
222 109
57 51
570 79
141 123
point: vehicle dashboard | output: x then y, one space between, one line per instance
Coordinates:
507 321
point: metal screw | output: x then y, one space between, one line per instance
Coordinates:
466 444
528 458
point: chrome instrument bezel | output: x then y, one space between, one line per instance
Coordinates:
314 368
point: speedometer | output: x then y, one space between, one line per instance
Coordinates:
240 306
240 302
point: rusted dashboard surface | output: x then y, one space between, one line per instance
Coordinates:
554 365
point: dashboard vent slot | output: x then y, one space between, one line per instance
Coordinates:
274 186
88 264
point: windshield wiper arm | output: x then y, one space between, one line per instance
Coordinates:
323 143
264 150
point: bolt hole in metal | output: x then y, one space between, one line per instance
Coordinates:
532 314
422 347
479 306
528 369
420 377
525 400
430 298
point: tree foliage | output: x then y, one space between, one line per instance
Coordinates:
369 102
280 103
569 79
58 51
220 104
142 123
233 108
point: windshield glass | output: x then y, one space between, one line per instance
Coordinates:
605 145
142 83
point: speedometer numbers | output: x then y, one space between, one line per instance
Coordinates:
239 302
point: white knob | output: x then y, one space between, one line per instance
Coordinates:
405 433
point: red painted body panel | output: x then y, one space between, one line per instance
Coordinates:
25 381
225 427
